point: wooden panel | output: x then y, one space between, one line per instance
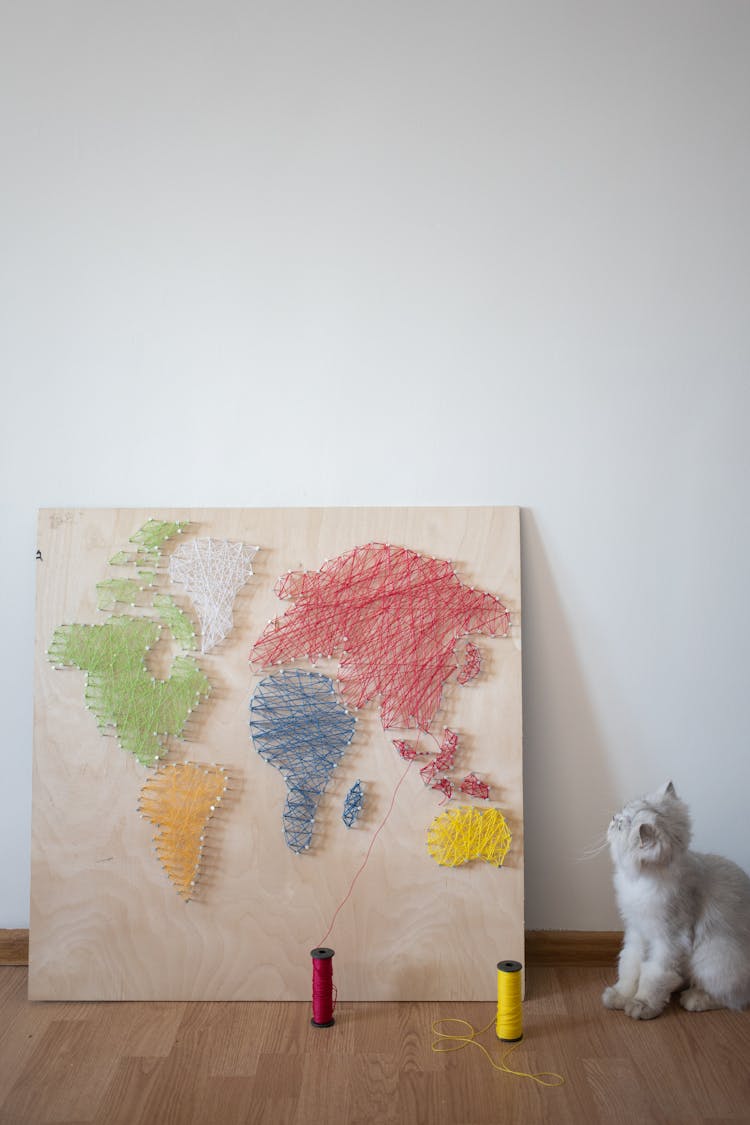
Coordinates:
543 947
106 923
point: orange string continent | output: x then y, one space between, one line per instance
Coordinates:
179 800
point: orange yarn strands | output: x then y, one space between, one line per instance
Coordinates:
179 800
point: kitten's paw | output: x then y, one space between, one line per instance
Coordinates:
697 1000
613 998
642 1010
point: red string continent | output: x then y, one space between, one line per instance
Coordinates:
473 787
471 665
392 617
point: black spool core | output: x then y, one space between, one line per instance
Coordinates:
322 954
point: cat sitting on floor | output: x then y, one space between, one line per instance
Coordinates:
686 915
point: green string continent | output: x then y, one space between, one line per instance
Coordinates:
122 558
119 688
114 590
178 622
155 532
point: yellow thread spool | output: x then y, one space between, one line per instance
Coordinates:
508 1024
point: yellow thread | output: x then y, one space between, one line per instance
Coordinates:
470 1039
466 833
509 1023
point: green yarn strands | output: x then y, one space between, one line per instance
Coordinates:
114 590
143 711
156 532
120 690
177 621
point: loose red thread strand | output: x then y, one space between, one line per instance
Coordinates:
393 619
363 864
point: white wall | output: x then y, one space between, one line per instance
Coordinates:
310 252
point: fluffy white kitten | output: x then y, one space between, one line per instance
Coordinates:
686 915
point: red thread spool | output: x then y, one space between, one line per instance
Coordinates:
322 988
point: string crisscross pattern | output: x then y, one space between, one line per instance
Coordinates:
213 572
392 617
121 692
441 764
179 800
472 664
459 835
299 726
353 802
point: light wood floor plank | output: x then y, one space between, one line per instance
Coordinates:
263 1064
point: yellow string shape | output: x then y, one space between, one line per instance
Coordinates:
459 835
542 1078
179 800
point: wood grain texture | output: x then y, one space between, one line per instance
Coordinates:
252 1063
14 947
106 923
573 947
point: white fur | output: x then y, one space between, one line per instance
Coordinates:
686 915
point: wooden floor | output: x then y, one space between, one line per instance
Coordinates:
163 1063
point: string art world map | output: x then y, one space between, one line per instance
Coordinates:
393 619
286 724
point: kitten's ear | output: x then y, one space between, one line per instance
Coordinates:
646 834
668 790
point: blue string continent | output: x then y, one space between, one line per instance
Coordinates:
298 725
353 804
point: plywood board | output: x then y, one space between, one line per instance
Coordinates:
106 922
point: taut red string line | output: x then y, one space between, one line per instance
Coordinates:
368 853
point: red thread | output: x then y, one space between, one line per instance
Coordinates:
405 749
363 864
428 772
445 786
472 663
393 619
473 787
444 760
323 1001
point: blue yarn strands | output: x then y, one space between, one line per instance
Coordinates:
298 725
353 804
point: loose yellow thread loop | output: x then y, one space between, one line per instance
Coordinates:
508 1027
542 1078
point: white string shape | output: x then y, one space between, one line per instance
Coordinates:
213 572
